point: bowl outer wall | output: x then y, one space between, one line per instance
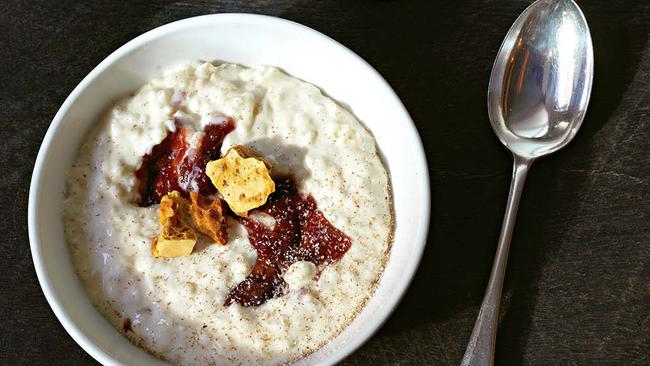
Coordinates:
123 71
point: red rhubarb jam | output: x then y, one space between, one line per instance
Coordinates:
173 165
300 233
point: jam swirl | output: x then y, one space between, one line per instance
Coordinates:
300 233
173 165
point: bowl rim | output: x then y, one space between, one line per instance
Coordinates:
420 161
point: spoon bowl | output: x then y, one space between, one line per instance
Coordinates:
537 98
541 80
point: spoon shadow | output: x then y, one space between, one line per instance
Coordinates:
546 220
469 191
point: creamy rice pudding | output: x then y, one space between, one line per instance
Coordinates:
186 309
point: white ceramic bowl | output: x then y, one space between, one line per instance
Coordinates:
249 40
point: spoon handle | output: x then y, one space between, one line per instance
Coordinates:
480 350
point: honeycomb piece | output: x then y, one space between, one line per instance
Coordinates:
177 237
243 180
208 217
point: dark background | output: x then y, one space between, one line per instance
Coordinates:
577 290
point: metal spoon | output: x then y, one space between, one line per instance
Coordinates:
537 98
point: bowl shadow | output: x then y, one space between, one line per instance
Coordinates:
285 159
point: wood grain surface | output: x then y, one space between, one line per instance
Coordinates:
577 290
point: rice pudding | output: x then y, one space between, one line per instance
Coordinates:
179 308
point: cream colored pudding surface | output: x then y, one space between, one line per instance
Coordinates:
174 307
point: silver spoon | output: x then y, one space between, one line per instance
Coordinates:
537 98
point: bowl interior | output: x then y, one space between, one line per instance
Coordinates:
248 40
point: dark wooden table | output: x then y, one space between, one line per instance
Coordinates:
577 290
